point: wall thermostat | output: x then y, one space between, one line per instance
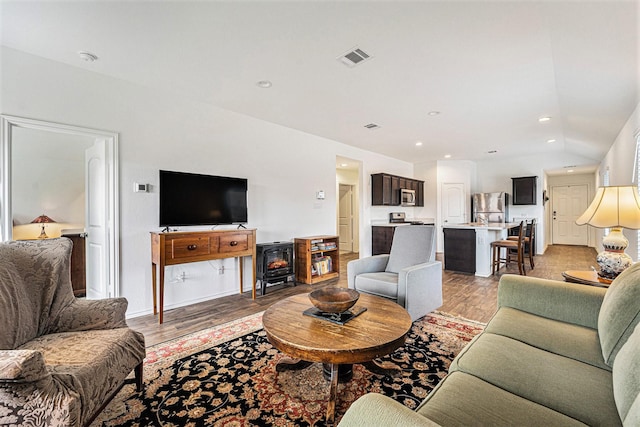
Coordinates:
140 188
320 195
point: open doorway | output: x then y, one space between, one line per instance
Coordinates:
63 180
348 206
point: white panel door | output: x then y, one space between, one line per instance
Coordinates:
345 217
454 204
96 221
568 203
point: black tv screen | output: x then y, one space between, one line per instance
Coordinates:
194 199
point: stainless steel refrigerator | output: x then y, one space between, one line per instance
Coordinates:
490 207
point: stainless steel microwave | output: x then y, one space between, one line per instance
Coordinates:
407 197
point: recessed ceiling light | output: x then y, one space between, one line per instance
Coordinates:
419 144
570 171
492 151
550 141
87 56
544 119
344 165
265 84
447 156
433 113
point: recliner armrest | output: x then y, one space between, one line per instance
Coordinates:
22 366
86 315
567 302
365 265
420 288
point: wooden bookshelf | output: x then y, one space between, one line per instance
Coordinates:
317 258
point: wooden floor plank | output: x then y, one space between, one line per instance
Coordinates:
464 295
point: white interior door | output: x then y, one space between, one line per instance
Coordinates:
454 204
345 217
568 203
96 222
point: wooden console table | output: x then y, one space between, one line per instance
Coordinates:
194 246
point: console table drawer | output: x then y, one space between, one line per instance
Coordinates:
234 242
189 247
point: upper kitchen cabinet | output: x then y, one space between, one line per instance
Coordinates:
524 190
385 189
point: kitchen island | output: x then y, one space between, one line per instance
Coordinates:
382 233
467 247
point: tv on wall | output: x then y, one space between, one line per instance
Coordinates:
195 199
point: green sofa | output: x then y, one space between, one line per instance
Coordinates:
554 354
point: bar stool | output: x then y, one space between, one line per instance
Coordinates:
529 241
508 245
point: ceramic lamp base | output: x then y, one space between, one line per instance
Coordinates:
613 260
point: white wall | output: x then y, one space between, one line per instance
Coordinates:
620 163
162 130
428 172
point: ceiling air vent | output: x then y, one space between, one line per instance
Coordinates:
354 57
372 126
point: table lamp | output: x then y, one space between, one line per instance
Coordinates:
42 219
613 207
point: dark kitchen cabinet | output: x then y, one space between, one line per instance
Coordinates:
385 189
381 239
460 250
524 190
381 189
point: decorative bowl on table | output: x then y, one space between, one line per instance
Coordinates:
334 300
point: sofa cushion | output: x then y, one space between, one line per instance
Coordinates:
411 245
620 312
90 363
626 380
18 316
464 400
381 284
566 339
573 388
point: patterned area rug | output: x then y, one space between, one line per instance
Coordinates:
226 376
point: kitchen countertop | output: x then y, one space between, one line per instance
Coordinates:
489 226
386 223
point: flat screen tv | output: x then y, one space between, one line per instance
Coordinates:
194 199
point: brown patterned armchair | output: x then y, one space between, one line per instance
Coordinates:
61 359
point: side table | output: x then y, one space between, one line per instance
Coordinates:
585 277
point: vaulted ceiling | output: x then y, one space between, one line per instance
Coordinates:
463 78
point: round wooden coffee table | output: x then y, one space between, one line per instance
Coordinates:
377 332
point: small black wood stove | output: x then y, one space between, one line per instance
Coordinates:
274 264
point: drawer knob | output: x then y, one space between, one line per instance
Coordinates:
233 243
192 247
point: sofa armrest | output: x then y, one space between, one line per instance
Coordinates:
374 409
420 288
85 315
365 265
567 302
22 366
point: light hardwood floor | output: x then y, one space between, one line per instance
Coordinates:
463 294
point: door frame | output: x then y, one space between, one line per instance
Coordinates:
7 124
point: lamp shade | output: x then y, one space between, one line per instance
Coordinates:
613 207
42 219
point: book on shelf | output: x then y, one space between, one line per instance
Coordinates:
322 265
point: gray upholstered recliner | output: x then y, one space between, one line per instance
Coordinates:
408 275
61 358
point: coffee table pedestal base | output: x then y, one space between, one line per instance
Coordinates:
335 373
